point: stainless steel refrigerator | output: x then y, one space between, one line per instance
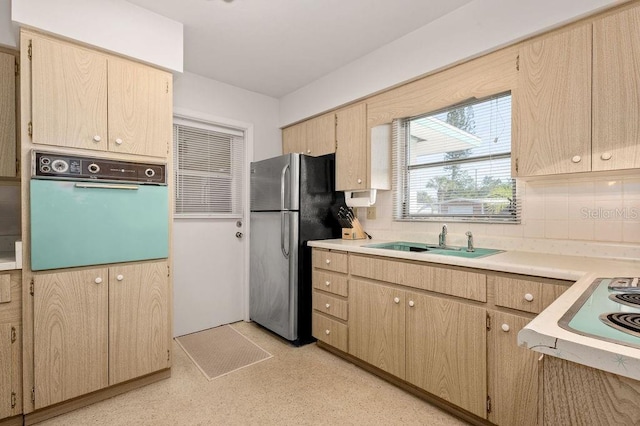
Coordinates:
291 200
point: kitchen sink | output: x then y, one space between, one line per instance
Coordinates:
434 249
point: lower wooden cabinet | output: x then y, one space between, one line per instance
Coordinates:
512 373
10 344
446 350
98 327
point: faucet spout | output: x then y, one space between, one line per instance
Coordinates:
470 247
442 238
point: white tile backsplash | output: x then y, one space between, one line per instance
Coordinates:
9 209
595 215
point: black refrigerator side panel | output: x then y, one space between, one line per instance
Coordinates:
317 197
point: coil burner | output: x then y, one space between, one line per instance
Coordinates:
628 299
627 322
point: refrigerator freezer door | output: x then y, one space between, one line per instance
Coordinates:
275 183
273 275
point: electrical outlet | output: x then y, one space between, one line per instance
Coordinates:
371 213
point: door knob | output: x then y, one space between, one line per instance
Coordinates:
238 234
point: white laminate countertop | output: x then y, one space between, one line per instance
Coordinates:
542 334
10 260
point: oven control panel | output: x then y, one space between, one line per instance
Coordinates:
72 167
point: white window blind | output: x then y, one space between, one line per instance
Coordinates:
455 164
209 170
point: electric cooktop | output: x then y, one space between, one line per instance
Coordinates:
608 310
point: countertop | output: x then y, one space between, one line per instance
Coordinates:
10 260
542 334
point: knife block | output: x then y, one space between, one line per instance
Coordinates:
354 233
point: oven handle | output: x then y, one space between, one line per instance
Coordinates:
106 186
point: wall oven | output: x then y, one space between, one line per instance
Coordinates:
92 211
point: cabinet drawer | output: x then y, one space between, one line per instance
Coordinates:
330 331
452 281
330 305
330 260
526 295
332 283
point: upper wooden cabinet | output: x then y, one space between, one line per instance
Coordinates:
352 157
552 104
85 99
312 137
616 89
8 115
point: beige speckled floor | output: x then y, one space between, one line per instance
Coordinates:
297 386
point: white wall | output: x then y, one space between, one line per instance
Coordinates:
477 27
114 25
8 30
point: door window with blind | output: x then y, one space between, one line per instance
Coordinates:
455 164
208 169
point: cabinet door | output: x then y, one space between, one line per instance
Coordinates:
376 325
321 135
70 334
351 151
294 138
7 115
69 95
552 105
138 320
446 350
10 370
616 84
140 105
513 373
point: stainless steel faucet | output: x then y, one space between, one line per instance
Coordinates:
469 241
442 238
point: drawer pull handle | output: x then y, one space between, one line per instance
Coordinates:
505 327
328 261
97 138
396 299
606 156
120 277
327 283
327 306
327 332
528 297
576 159
98 280
411 303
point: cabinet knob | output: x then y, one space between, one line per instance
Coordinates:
98 280
308 151
328 261
576 159
327 332
97 138
119 277
327 283
411 303
396 299
528 297
327 306
359 180
606 156
119 141
505 327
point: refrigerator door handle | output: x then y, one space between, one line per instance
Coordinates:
282 236
282 184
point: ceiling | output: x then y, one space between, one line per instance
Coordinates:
275 47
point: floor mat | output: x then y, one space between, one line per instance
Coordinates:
221 350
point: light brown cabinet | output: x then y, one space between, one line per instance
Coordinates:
10 344
8 115
512 373
446 350
85 99
352 156
98 327
314 137
552 104
616 84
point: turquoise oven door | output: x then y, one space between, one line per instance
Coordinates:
87 223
